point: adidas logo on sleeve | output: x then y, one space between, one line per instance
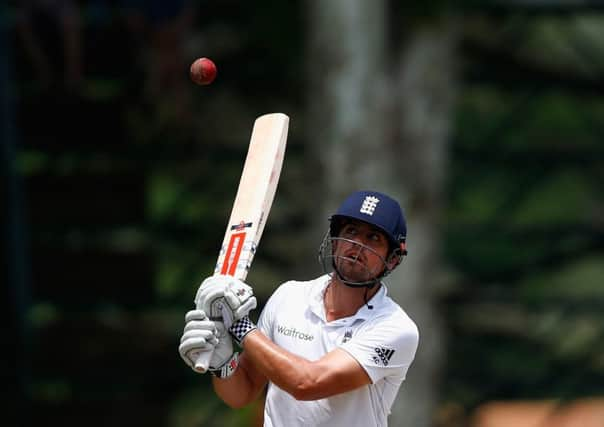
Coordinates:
383 355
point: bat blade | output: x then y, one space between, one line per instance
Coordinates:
253 201
255 195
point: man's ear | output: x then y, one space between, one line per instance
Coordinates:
396 258
393 261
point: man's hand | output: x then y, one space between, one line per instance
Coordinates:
226 298
203 335
224 360
199 336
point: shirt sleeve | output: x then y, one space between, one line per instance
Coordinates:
385 348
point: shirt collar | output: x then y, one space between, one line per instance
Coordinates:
317 305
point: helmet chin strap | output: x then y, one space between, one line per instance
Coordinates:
366 284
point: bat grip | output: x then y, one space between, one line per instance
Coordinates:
203 361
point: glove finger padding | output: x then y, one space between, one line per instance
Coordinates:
240 305
210 296
203 325
195 315
204 339
239 290
193 343
225 298
199 336
212 288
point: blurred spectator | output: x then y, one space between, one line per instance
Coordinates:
161 28
36 20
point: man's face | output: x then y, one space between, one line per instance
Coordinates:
362 256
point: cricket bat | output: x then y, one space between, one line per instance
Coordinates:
252 203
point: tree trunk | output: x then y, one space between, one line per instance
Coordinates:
425 90
348 94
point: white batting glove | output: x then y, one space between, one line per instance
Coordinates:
224 360
203 335
225 298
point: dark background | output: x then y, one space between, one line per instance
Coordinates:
118 175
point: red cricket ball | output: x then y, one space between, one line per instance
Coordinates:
203 71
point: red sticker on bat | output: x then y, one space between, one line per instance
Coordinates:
233 253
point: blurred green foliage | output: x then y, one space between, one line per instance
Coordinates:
524 227
524 217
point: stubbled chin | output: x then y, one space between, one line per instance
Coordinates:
353 271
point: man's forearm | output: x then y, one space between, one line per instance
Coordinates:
239 389
334 373
288 371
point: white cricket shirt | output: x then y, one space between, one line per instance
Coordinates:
383 340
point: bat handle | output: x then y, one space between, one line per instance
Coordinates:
203 361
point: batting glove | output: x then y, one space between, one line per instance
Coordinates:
224 361
225 298
203 335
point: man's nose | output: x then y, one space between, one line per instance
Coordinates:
360 244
